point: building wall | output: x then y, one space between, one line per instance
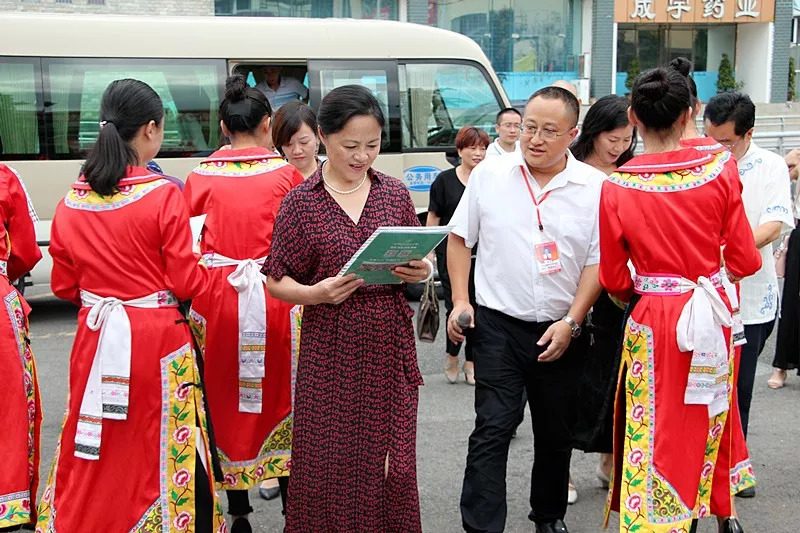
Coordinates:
603 49
112 7
753 46
782 36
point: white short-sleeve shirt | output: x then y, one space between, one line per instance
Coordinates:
289 89
497 210
495 149
767 198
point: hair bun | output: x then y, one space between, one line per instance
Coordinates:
653 85
235 88
682 65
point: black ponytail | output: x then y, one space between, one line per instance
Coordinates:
127 105
243 107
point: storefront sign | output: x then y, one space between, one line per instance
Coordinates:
693 11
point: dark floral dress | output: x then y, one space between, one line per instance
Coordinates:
358 377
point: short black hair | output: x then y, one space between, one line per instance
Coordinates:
344 103
659 97
557 93
289 119
732 106
504 111
607 114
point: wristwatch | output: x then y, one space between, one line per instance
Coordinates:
576 328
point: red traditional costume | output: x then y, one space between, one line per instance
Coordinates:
676 419
20 408
134 450
246 334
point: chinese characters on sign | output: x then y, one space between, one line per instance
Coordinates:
694 11
678 8
747 8
714 8
643 9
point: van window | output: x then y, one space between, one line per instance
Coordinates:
19 123
377 81
438 99
293 83
189 89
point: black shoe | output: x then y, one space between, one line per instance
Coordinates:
241 525
731 525
749 492
270 493
551 527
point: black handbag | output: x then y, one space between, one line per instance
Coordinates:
428 317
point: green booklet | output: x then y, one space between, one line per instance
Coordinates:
392 246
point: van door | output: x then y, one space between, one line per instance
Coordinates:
380 77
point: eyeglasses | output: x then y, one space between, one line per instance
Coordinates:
731 146
511 126
529 130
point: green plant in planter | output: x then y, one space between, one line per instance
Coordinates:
726 80
792 89
634 69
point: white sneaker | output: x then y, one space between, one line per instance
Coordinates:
572 494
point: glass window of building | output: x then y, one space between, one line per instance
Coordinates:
359 9
530 44
657 44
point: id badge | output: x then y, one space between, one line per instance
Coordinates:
547 258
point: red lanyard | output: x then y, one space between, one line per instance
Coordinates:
533 198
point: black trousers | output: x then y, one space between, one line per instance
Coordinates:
506 368
239 501
444 277
757 335
204 503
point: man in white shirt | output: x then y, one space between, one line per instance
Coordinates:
535 213
729 118
507 125
280 90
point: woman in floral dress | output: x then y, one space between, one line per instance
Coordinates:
354 447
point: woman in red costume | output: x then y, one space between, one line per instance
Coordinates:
245 333
19 395
667 211
134 453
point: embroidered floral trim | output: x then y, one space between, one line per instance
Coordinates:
669 285
15 509
4 268
274 460
197 323
671 181
88 200
296 321
19 324
648 502
742 477
239 169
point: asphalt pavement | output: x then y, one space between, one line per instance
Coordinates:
446 417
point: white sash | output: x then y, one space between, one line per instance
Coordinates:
248 282
700 331
108 386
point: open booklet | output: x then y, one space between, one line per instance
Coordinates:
392 246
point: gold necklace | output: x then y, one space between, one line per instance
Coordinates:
351 191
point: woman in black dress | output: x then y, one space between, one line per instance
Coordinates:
787 346
446 192
606 142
